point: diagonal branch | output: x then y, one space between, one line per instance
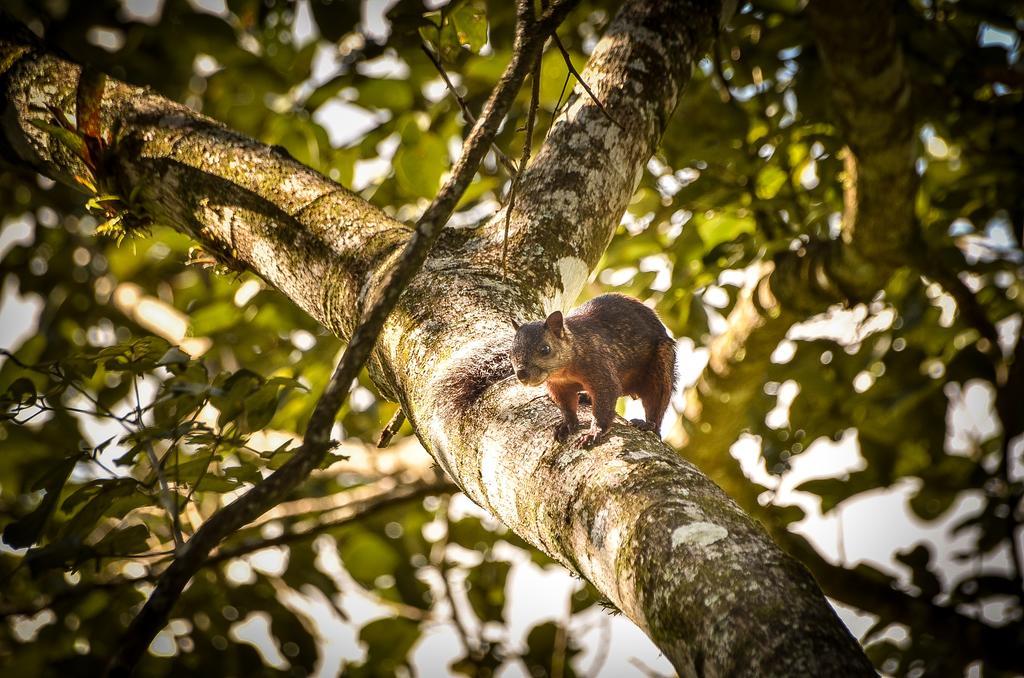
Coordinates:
356 510
524 160
645 527
871 105
871 99
316 444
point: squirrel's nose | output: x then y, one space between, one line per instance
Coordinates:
521 375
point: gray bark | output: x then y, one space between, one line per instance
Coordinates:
653 534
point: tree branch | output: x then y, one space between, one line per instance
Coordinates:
316 442
357 510
579 78
960 635
653 534
348 513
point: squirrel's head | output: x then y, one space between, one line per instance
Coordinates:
540 348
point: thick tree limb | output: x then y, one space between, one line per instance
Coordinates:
653 534
959 635
316 442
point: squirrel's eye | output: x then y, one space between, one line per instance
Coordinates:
545 349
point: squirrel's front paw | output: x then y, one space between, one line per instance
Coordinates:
643 424
564 430
590 438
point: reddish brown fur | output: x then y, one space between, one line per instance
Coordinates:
609 347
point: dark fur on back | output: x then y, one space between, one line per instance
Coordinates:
472 375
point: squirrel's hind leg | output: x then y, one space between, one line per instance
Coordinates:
657 391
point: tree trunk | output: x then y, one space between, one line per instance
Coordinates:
653 534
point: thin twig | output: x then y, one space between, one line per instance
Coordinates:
317 438
391 430
202 474
725 94
560 652
357 511
170 503
464 107
558 104
354 511
531 117
471 646
579 79
603 645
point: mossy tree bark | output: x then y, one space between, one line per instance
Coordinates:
652 533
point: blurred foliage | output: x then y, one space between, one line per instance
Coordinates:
748 167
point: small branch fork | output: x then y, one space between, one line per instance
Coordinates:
529 41
391 430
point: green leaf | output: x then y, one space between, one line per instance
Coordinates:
469 19
367 556
217 484
20 394
194 468
214 318
124 541
470 533
486 589
388 642
918 560
769 181
174 359
419 166
585 597
724 226
395 95
27 530
60 554
550 646
109 490
327 91
335 18
70 139
136 357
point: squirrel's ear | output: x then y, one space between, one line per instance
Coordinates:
515 325
555 323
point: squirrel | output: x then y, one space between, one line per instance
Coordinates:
610 346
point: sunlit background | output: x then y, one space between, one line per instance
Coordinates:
364 107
